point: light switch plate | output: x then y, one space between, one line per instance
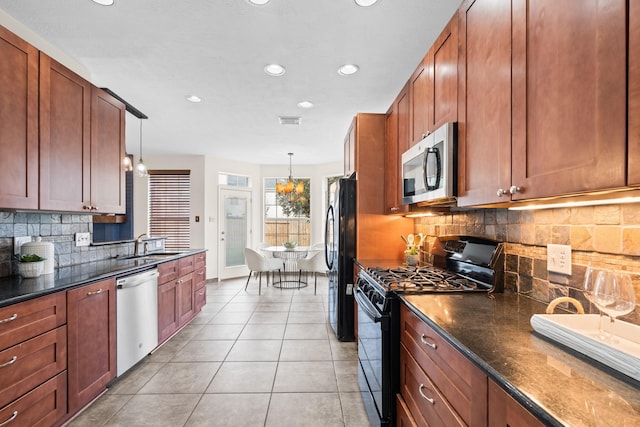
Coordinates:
19 241
83 239
559 259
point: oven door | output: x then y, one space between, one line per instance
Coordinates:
370 344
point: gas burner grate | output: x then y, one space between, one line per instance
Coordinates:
420 279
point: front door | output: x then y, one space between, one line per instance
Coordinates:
235 232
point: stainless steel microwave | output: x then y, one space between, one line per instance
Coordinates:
429 168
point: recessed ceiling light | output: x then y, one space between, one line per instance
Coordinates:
274 70
365 3
194 98
259 2
305 104
104 2
348 69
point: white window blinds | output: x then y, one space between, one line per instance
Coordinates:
170 207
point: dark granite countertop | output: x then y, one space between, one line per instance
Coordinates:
557 384
15 289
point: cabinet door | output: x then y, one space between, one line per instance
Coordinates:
634 93
505 411
445 75
91 326
65 107
167 310
396 142
107 153
484 101
186 307
421 100
569 96
18 122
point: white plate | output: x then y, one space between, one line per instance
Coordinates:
580 333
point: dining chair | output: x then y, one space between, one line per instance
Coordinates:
314 264
259 264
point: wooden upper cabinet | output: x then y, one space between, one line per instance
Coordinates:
107 153
445 75
634 93
18 122
421 100
396 143
569 96
65 107
484 101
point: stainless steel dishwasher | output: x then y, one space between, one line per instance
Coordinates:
137 317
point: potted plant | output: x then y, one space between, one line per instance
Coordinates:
411 255
30 265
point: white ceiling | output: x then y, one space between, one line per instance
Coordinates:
153 53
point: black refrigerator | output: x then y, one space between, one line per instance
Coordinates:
340 251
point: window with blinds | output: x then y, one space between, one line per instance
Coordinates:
170 207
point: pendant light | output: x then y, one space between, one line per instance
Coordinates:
289 187
141 167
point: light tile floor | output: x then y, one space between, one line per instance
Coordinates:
245 360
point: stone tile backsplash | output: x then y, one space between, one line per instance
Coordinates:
59 229
603 236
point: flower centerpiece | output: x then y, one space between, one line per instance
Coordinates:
412 253
30 265
289 245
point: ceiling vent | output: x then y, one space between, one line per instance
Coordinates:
289 120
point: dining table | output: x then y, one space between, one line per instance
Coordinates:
290 279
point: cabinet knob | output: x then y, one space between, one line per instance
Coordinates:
86 208
514 189
501 192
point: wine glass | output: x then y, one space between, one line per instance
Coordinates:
614 294
589 285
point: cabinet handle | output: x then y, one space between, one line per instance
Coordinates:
86 208
428 399
10 362
201 273
11 318
423 338
94 208
394 209
501 192
13 417
514 189
99 291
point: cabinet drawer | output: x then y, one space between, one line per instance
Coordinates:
25 320
403 415
41 407
199 260
167 271
185 265
199 278
29 364
200 298
423 398
457 378
506 411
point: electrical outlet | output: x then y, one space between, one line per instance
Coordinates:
83 239
559 259
19 241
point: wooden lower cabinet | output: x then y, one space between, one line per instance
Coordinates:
91 326
181 293
43 406
505 411
403 415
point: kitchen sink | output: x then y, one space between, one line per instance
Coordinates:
153 255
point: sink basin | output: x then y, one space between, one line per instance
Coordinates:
153 255
580 333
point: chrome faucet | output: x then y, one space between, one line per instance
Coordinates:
136 248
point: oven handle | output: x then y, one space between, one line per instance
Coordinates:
366 306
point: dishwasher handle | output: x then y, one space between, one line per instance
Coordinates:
137 279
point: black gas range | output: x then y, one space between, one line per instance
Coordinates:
469 264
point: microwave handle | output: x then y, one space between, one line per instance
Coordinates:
432 151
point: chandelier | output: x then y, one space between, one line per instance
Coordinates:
289 187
